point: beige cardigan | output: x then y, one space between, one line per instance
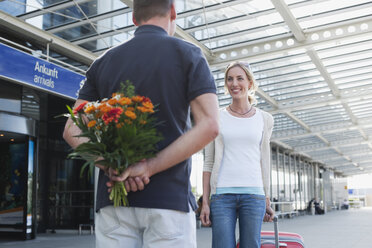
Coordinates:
214 152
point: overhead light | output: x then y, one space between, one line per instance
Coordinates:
1 135
12 140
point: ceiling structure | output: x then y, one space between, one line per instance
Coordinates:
312 59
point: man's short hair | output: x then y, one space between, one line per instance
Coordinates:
143 10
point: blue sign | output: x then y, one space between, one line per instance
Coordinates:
350 191
27 69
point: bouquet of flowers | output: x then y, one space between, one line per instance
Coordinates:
121 131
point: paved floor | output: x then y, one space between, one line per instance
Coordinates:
336 229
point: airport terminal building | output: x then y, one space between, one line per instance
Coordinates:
317 89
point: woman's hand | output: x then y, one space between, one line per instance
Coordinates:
270 213
204 215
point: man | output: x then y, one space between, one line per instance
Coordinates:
174 75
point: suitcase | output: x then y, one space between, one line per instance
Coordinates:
278 239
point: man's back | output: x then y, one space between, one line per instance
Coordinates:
171 73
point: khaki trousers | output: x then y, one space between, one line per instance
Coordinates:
131 227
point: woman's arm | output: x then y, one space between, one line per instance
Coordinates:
205 212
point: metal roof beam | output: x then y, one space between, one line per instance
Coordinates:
323 71
50 9
330 155
302 103
94 37
276 25
255 51
216 6
250 16
29 32
182 34
288 17
321 129
333 145
81 22
267 98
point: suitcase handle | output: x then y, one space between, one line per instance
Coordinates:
271 242
276 231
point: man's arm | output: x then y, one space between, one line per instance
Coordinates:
71 130
205 112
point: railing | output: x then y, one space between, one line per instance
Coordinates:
284 209
38 54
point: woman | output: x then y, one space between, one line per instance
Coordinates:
237 166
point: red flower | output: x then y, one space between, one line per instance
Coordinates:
80 107
146 99
112 115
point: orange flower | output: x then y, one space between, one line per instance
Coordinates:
142 109
145 110
125 101
130 109
91 123
143 122
104 108
137 98
130 114
148 105
112 101
90 109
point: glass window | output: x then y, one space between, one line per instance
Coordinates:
10 97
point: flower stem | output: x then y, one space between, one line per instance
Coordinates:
119 195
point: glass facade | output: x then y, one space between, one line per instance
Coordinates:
64 199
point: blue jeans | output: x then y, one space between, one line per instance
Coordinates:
226 208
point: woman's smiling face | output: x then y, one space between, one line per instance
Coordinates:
237 83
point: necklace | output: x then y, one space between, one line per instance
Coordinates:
236 112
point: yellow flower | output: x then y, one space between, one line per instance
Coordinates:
130 114
91 123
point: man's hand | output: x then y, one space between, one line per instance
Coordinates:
135 177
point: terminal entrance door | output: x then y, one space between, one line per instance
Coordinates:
17 200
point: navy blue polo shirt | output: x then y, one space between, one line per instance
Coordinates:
171 72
